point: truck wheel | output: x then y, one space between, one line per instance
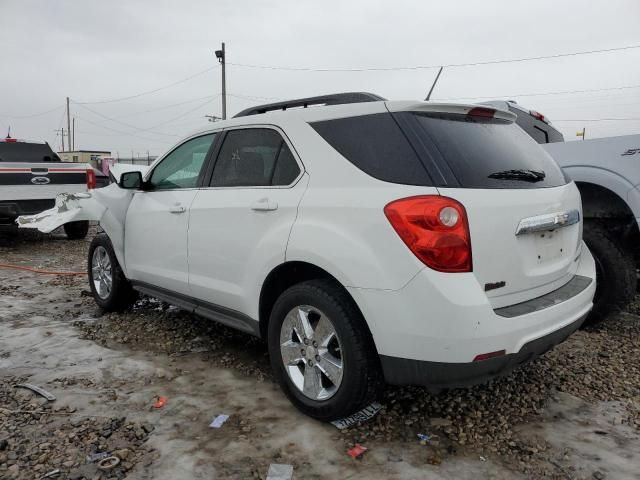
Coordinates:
615 273
321 351
76 230
111 290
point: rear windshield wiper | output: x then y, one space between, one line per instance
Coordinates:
523 175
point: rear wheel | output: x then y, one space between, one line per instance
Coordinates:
76 230
321 351
615 272
111 290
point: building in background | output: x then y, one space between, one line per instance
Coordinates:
84 156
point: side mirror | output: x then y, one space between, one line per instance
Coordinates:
131 180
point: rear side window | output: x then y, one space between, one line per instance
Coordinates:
254 157
376 145
486 153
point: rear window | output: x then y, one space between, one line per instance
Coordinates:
427 149
27 152
486 153
376 145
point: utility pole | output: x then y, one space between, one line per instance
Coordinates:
60 132
220 55
434 84
68 125
73 134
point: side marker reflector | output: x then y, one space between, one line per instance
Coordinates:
487 356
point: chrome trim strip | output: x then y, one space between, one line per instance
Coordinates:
550 221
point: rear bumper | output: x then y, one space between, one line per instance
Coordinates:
439 375
12 209
439 320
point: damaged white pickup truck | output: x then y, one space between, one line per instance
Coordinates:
419 243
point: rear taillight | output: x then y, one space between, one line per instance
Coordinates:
435 229
91 179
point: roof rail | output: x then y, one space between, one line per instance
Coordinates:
334 99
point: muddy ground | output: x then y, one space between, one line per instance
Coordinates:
573 414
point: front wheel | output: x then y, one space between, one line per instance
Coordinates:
321 351
615 272
111 290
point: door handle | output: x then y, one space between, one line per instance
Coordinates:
177 209
264 205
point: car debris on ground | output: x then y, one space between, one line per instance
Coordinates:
38 390
160 402
278 471
363 415
356 451
218 421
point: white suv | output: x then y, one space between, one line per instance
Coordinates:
363 239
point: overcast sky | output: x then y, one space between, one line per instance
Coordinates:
96 51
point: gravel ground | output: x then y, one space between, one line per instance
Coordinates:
509 421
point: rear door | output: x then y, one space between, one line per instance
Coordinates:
158 218
523 214
240 223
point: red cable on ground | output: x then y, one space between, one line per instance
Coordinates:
39 270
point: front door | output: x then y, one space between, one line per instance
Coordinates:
158 218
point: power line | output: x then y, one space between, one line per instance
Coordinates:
424 67
128 125
150 129
34 114
123 133
164 107
187 112
598 120
562 92
186 79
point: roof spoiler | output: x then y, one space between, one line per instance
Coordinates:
334 99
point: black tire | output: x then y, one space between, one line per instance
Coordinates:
76 230
122 295
361 377
615 272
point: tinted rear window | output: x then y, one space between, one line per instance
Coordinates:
376 145
486 153
27 152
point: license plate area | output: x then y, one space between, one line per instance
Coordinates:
550 246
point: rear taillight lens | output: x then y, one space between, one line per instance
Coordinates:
435 229
91 179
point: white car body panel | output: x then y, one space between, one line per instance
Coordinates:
156 238
232 247
532 264
448 318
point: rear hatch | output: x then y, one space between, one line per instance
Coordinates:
523 214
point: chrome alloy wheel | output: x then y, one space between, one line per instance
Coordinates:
101 272
311 352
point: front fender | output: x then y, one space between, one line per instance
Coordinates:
106 205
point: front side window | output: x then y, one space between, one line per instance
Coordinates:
181 167
254 157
